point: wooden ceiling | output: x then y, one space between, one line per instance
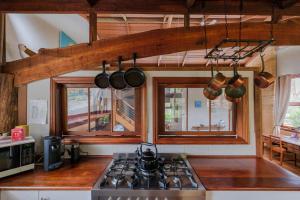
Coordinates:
115 25
152 28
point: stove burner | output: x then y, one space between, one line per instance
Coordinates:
173 173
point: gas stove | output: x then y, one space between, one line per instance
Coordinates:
124 179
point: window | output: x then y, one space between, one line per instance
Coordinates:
183 115
85 113
292 118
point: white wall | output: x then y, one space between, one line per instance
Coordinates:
288 60
42 89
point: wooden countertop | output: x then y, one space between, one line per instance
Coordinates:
81 176
243 173
215 173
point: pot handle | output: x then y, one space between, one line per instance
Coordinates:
120 62
103 66
134 59
262 62
149 145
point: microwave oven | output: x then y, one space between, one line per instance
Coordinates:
16 157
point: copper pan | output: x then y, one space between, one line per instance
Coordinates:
211 94
263 79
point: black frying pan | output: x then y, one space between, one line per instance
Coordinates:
134 76
102 79
116 79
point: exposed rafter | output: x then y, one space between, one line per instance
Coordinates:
53 62
251 7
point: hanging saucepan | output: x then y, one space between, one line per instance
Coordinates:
218 81
209 92
236 80
116 79
263 79
233 93
102 79
134 76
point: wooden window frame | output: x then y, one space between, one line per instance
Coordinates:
242 115
286 127
58 112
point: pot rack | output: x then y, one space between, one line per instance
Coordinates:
238 48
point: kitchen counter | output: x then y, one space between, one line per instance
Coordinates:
215 173
81 176
243 173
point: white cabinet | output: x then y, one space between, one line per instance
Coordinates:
45 195
19 195
64 195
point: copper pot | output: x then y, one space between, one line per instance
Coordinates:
218 81
233 100
237 80
211 94
235 92
263 79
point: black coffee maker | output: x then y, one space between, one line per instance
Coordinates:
52 153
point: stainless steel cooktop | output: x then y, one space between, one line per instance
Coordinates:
123 179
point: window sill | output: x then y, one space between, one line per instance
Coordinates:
200 140
102 140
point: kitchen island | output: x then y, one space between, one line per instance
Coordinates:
223 177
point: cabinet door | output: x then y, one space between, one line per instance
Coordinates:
63 195
19 195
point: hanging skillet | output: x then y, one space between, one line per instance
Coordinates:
102 79
116 79
134 76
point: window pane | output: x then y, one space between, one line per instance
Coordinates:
175 109
221 114
293 116
77 100
124 112
295 90
100 108
198 110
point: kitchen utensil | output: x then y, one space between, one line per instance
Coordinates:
102 79
236 80
134 76
147 159
263 79
235 92
217 81
211 94
116 79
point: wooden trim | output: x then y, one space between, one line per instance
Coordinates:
22 105
242 116
57 126
212 7
258 120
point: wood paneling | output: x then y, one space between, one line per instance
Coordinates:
243 173
81 176
22 105
262 7
53 62
8 103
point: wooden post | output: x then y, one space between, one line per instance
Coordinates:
258 120
8 103
93 26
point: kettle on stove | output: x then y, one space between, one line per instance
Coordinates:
148 159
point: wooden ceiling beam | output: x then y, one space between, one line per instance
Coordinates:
52 62
92 26
214 7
